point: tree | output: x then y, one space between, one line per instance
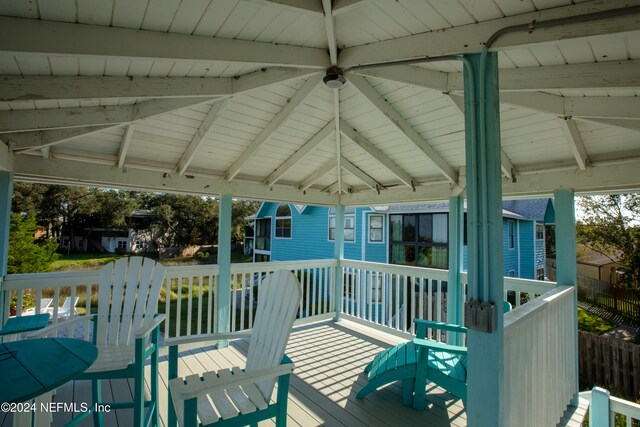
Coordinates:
610 227
25 255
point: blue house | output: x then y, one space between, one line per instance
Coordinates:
414 235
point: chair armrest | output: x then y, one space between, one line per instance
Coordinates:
440 326
439 346
60 325
195 386
206 337
149 326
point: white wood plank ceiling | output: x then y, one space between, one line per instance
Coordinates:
226 96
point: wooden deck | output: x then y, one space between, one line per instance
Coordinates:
329 358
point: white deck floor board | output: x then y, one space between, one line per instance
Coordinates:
330 360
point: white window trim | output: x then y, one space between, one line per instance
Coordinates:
381 242
275 222
536 231
509 247
355 226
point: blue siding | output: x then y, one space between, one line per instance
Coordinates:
310 236
310 240
527 238
510 255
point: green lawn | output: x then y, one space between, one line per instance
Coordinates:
589 322
91 261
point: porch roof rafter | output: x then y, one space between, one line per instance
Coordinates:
309 85
40 139
472 37
397 120
36 88
25 35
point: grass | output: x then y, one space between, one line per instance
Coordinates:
75 262
592 323
93 261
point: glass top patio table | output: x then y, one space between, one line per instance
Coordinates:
29 368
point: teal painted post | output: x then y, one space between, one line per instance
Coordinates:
454 287
6 191
484 236
172 420
566 269
223 290
338 254
599 412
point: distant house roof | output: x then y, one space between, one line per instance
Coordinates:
142 213
536 209
585 255
437 207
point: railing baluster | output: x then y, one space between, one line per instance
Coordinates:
405 301
306 272
190 305
234 301
429 303
358 282
314 291
414 280
242 298
439 300
421 299
179 307
200 303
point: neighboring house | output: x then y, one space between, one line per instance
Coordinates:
595 265
407 234
137 238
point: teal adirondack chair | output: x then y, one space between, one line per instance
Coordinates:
126 332
419 361
240 397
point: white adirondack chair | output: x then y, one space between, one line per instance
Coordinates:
45 304
126 331
68 307
241 397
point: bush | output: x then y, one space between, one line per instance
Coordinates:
25 255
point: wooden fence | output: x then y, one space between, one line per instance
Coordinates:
616 299
610 363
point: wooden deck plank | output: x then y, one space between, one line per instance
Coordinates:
330 360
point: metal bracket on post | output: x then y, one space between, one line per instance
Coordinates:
480 316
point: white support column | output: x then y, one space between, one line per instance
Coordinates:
338 254
223 290
455 294
6 190
566 256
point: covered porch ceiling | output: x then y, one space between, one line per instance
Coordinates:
227 97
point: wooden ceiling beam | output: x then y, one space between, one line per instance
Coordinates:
273 126
62 38
396 119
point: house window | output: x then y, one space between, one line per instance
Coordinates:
122 245
283 222
263 234
539 232
375 228
511 235
539 273
349 224
419 239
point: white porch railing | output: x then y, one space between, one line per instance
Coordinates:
605 410
389 296
382 296
540 359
